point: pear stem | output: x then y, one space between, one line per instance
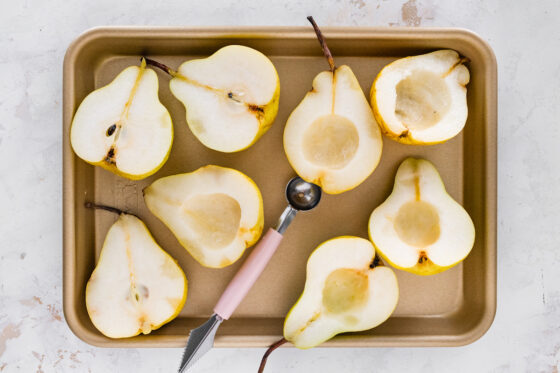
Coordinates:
323 42
376 262
91 205
160 66
272 347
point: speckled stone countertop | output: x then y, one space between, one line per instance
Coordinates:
525 336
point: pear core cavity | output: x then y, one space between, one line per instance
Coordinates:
417 223
423 99
331 141
215 217
345 289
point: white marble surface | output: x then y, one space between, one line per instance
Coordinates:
525 336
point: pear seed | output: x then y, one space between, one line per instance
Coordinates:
111 130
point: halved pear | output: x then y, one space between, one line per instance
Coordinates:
420 228
123 127
136 286
422 99
331 138
215 212
345 291
231 98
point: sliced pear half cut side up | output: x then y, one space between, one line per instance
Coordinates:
215 212
346 289
420 228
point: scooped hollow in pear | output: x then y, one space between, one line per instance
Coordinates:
136 287
331 138
231 98
215 212
422 99
420 228
123 127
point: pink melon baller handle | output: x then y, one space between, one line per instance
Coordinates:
301 196
248 274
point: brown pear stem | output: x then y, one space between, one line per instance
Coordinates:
160 66
91 205
272 347
323 42
375 262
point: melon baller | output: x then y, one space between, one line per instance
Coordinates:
301 196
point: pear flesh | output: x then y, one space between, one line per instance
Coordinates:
231 98
422 99
123 127
136 286
420 228
345 291
215 212
332 139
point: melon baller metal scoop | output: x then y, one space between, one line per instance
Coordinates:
301 196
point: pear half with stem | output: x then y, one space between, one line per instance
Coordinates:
347 289
420 228
231 98
331 138
123 127
215 212
136 287
422 99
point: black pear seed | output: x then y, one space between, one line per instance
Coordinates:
111 129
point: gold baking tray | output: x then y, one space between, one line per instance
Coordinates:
452 308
